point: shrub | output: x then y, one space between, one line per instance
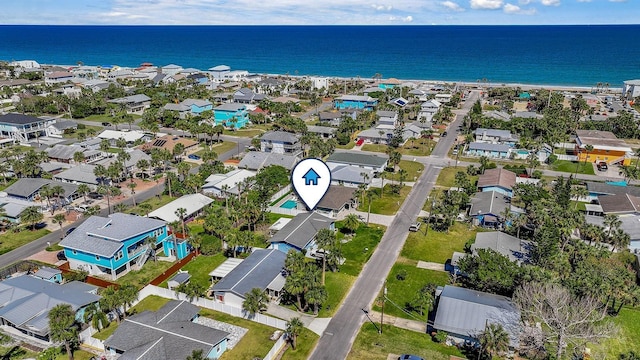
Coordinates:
76 276
210 247
81 127
440 336
401 275
537 174
552 158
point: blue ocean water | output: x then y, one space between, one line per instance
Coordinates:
557 55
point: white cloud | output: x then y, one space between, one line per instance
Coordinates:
617 0
486 4
515 9
524 2
583 1
550 2
406 19
382 7
452 5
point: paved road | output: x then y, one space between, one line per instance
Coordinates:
340 334
35 246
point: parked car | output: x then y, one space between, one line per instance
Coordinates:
95 195
602 166
415 227
444 134
69 231
61 256
40 225
106 124
410 357
193 157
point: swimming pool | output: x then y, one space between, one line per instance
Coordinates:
289 204
522 152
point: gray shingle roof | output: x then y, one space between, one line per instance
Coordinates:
350 174
64 124
336 197
607 189
280 136
256 271
18 119
359 159
26 300
104 236
230 107
47 272
256 160
138 98
505 244
83 173
467 312
27 187
166 334
302 229
321 129
63 151
490 202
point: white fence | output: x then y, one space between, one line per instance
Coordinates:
87 339
281 193
283 211
276 348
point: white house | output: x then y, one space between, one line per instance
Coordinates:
427 110
221 185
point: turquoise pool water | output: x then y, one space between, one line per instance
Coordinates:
289 204
523 152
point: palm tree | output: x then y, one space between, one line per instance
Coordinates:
325 240
351 222
494 339
110 301
120 208
369 198
619 240
181 213
196 241
151 242
294 328
78 157
196 355
132 185
59 219
84 190
255 301
96 316
316 296
31 215
611 222
146 207
63 326
128 294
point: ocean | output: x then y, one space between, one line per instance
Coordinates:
550 55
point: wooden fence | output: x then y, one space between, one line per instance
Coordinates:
172 270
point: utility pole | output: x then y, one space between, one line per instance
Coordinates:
384 297
366 313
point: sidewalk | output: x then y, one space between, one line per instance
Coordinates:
413 325
317 325
373 219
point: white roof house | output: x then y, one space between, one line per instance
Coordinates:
128 136
220 184
193 203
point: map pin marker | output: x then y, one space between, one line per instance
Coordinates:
311 179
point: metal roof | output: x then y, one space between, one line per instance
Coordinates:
192 203
83 173
280 136
256 271
505 244
302 229
27 187
226 267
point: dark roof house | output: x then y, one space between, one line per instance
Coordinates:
300 232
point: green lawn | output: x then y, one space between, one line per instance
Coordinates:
9 182
413 169
419 147
369 345
402 291
76 133
224 146
627 339
156 202
388 204
570 167
10 240
375 147
337 285
200 267
149 271
437 246
348 146
447 177
305 343
106 332
244 132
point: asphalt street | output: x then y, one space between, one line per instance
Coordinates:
340 334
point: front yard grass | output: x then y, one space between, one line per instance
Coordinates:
149 271
10 240
222 147
447 177
305 343
155 202
570 167
413 169
628 320
249 133
437 246
369 345
200 267
388 204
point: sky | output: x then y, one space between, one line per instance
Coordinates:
318 12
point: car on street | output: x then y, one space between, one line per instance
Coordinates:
410 357
415 227
69 231
444 134
61 256
602 166
193 157
106 124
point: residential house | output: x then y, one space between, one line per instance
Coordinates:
120 74
218 73
597 189
231 183
168 142
387 118
115 245
389 83
319 82
58 77
499 180
256 160
300 232
13 207
333 118
494 136
620 204
495 151
498 115
231 115
515 249
336 200
376 163
263 269
171 333
80 174
65 153
25 302
355 102
606 147
193 204
129 136
61 127
628 224
375 136
198 106
631 89
464 314
247 96
49 274
488 208
350 176
427 110
134 104
280 142
325 132
29 189
269 86
23 128
180 109
171 69
131 164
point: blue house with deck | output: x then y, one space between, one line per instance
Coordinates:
231 115
115 245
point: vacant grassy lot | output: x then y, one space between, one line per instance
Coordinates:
626 340
223 147
10 240
305 343
437 246
388 204
570 167
370 345
249 133
412 168
155 202
447 177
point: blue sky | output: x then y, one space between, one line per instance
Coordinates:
321 12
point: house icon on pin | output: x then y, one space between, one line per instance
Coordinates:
311 177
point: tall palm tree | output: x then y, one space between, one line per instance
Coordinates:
325 240
294 328
31 215
255 301
146 207
84 190
63 326
128 294
181 213
132 186
59 219
611 222
494 339
96 316
151 242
